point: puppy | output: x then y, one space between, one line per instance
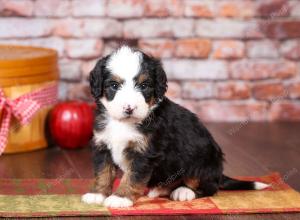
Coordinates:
155 142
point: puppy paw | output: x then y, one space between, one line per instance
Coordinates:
93 198
158 191
114 201
260 185
183 194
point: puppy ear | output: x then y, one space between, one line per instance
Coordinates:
160 80
96 78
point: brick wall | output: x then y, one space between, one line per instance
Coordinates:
227 60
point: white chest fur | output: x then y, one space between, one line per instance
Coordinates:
117 135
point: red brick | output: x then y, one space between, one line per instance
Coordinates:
161 48
88 28
158 8
294 90
106 28
269 91
148 28
16 8
70 70
197 90
79 91
88 8
262 49
262 69
74 91
281 29
182 27
233 90
87 66
294 8
236 8
62 90
196 69
204 8
88 48
55 43
199 48
231 112
21 27
174 90
68 28
229 9
125 8
291 49
284 111
273 8
52 8
110 46
191 105
227 28
228 49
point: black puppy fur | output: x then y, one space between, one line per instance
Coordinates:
179 146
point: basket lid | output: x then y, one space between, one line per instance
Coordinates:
24 57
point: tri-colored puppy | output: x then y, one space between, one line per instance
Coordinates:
155 142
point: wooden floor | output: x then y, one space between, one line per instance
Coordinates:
250 149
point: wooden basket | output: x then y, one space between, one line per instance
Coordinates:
23 70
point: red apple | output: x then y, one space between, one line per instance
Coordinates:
71 124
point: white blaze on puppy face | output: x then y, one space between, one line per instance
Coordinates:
126 64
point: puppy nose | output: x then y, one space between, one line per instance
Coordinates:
129 110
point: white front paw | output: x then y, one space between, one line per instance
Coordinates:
114 201
153 193
183 194
93 198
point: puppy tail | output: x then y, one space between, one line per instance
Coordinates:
228 183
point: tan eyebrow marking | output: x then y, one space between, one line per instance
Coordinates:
142 78
117 79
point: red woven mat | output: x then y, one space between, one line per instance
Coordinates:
61 197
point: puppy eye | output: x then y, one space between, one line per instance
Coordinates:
144 86
114 86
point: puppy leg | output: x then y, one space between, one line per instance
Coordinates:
183 193
203 186
186 192
126 194
133 182
105 173
158 191
163 189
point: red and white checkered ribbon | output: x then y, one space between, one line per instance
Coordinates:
23 108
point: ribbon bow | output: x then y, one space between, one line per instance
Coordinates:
23 108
